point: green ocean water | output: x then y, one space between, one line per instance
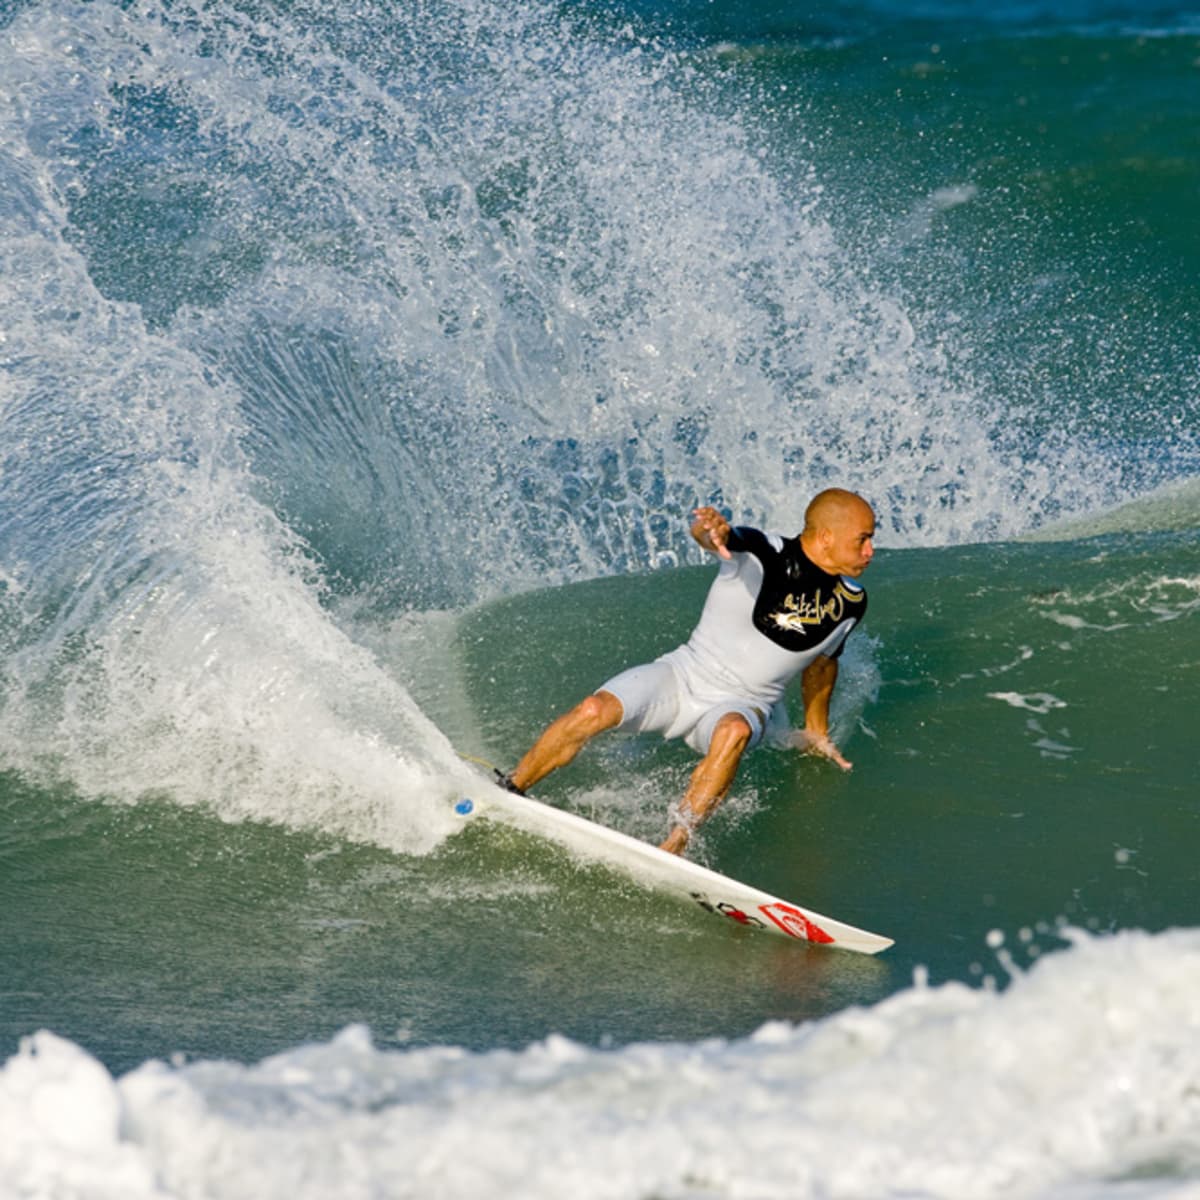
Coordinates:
1021 719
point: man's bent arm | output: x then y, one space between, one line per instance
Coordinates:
817 681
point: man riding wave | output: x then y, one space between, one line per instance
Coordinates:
777 608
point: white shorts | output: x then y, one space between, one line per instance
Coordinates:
658 697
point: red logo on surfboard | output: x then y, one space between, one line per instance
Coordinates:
724 909
793 922
736 914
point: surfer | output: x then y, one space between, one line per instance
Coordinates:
777 608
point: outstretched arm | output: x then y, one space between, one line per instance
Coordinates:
817 682
711 531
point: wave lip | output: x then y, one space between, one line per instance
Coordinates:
1172 506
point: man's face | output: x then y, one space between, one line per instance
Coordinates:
851 541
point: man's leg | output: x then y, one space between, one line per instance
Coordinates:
711 779
566 736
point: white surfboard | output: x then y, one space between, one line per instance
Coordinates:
650 866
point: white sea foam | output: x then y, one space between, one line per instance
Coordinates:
1114 605
1081 1080
1038 702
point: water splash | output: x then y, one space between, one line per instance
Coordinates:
405 308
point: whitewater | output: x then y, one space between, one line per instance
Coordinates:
940 1092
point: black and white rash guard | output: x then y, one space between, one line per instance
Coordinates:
770 612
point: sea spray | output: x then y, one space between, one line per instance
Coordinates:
319 318
163 628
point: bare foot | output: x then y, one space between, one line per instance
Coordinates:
676 842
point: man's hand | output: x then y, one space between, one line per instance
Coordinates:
711 530
820 744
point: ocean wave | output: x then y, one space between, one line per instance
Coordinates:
1079 1079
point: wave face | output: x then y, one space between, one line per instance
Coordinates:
350 310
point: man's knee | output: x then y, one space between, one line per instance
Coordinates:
599 711
731 735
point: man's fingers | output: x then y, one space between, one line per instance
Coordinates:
826 749
810 743
715 528
831 752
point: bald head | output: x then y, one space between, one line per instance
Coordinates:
834 506
838 530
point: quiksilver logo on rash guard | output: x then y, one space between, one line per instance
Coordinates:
797 612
